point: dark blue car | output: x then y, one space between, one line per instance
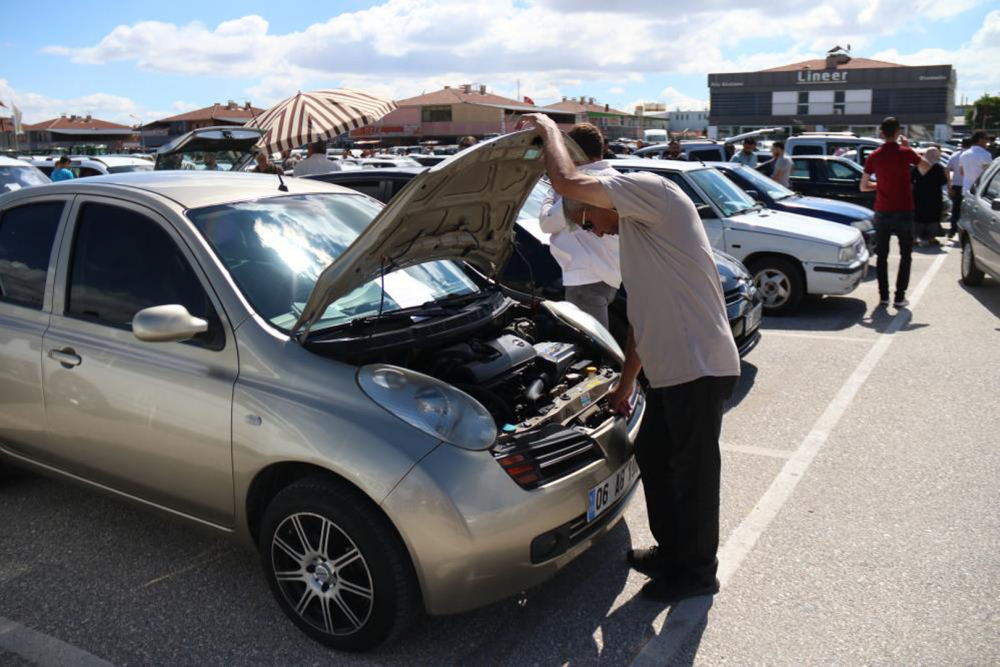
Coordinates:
776 196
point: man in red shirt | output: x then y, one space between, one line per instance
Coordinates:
892 165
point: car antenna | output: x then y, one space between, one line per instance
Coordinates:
281 181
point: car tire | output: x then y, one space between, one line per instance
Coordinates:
971 275
353 593
779 282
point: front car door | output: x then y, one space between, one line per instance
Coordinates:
844 183
985 221
152 420
802 178
28 233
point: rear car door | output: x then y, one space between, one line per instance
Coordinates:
843 183
28 234
152 420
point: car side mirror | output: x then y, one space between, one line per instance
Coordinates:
995 205
754 194
705 211
166 324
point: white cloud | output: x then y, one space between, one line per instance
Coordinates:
401 47
676 100
36 107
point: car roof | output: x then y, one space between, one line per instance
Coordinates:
662 165
117 160
821 157
13 162
194 189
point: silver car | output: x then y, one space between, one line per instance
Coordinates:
980 227
338 384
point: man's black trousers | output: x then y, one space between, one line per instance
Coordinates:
900 224
678 455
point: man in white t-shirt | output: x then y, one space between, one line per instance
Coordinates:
679 336
954 168
782 164
316 162
591 274
975 160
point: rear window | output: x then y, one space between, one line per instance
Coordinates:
807 149
15 178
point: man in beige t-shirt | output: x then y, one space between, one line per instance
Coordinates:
679 335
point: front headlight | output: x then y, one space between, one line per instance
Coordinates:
865 225
428 404
587 324
848 254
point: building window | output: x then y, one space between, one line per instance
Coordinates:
441 114
802 109
838 103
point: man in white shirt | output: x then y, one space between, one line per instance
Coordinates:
317 162
975 160
591 273
679 336
954 168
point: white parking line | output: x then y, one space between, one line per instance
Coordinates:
815 336
759 451
665 646
43 650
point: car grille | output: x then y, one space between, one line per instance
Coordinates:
546 455
733 296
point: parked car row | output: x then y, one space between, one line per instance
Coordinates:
979 228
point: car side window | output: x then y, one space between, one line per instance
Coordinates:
124 262
26 237
679 181
807 149
842 172
710 155
88 171
800 169
371 188
992 190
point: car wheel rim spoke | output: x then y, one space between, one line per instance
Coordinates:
327 581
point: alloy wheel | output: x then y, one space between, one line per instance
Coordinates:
774 286
322 574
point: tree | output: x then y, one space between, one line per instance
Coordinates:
987 112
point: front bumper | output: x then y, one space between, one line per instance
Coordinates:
836 279
470 528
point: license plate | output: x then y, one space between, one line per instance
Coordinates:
611 489
753 318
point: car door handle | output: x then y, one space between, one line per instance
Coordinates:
66 356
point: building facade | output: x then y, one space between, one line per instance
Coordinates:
835 94
165 130
614 124
447 115
79 134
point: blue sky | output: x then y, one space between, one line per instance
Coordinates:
122 61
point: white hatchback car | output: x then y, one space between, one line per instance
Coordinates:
788 255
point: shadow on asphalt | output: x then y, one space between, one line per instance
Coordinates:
154 590
987 294
882 317
748 375
819 314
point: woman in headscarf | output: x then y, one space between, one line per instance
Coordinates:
927 183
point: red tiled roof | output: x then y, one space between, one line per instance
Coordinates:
7 125
457 96
581 107
232 113
820 63
75 123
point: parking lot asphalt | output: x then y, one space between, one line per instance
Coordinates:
861 460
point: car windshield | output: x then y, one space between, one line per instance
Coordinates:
722 191
763 184
276 248
125 168
532 208
15 178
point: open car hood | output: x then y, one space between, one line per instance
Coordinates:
461 209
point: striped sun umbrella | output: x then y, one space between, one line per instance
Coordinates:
321 114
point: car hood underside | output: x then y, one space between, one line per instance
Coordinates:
461 209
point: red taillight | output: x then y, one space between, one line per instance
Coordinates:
522 473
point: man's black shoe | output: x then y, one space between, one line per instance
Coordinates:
666 589
645 561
